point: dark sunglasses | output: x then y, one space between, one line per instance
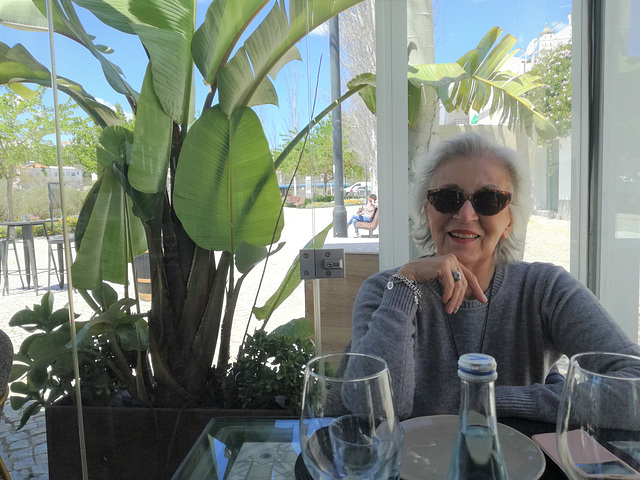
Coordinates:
485 202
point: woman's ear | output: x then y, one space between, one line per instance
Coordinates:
507 230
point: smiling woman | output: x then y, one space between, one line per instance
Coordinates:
471 293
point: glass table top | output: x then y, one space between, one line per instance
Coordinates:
243 448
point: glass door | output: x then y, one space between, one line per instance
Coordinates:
614 215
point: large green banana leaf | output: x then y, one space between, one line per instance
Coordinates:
214 41
106 221
474 81
165 30
226 190
290 281
17 65
31 15
244 81
487 82
152 145
437 75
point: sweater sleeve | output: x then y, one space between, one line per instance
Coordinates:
534 402
384 325
575 322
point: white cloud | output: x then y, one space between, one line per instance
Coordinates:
321 31
128 114
104 102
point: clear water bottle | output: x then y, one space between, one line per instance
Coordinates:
477 453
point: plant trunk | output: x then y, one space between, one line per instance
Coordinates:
11 175
420 36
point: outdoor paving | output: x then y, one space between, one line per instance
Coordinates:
25 451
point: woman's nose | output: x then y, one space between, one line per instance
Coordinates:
467 211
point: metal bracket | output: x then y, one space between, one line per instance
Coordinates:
324 263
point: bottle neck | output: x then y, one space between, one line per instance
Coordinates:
477 404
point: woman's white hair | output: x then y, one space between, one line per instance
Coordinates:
475 146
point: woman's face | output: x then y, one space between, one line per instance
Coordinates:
472 238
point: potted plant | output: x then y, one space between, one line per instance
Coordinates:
151 442
200 195
207 222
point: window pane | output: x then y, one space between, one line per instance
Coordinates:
619 230
542 36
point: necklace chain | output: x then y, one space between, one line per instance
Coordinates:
484 327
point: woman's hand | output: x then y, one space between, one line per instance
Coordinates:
441 268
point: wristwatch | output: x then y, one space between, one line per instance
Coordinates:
396 278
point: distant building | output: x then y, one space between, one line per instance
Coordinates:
34 174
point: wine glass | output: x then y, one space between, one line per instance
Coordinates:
348 426
598 430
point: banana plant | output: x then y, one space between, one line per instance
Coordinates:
475 81
212 216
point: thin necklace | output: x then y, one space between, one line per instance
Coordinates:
484 327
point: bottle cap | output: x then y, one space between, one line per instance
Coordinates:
477 366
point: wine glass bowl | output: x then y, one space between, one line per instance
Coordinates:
598 430
348 427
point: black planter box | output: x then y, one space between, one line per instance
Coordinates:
127 443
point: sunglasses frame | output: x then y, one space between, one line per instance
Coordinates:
469 197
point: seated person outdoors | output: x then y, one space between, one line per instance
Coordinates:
471 293
365 213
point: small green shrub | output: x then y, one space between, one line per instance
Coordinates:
269 372
35 201
43 372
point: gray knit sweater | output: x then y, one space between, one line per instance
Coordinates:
536 313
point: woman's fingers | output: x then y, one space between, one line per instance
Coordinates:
474 285
454 283
454 277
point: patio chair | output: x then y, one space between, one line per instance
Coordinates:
57 241
5 243
370 226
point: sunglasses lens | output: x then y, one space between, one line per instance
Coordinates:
485 202
446 200
489 202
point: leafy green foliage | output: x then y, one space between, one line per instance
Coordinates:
553 99
475 81
317 159
269 372
35 202
200 195
26 125
109 346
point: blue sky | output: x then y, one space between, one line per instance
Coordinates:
459 25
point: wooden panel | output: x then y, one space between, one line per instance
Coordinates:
336 300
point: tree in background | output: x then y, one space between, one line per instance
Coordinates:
24 124
83 138
27 135
358 55
553 99
317 159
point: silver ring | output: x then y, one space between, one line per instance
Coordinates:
456 276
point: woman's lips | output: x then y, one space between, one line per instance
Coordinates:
463 236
